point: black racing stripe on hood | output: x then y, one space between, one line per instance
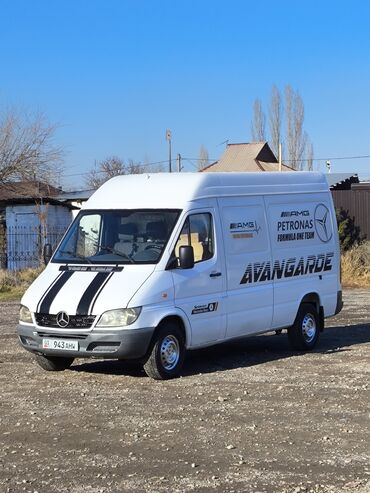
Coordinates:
89 294
100 290
46 290
53 291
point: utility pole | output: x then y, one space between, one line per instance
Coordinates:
168 138
178 162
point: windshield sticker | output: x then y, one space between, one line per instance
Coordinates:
90 268
291 267
210 307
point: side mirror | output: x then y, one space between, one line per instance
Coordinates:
48 253
186 257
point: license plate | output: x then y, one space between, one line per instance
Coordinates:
62 344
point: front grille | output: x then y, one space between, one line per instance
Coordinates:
62 336
75 321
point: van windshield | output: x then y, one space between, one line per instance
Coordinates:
117 237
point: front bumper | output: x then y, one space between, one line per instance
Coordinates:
115 344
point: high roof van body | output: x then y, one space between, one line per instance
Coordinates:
155 265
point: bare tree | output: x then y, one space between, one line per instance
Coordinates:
27 149
292 136
258 122
104 170
134 168
310 155
111 167
296 138
203 158
275 117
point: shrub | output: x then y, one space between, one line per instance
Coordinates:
356 266
14 283
349 233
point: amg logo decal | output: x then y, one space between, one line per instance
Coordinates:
245 227
242 225
292 267
294 213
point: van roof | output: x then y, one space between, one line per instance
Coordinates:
174 190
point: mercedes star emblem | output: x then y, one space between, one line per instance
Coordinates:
62 319
322 223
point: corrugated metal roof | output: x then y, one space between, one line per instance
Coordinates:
336 178
244 158
26 190
75 195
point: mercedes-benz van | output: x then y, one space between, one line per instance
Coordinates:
157 264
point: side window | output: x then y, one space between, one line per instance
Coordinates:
198 233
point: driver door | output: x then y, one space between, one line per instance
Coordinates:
200 291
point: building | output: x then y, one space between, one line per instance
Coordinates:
30 216
248 157
75 199
341 181
353 197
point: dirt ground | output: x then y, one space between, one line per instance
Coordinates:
251 416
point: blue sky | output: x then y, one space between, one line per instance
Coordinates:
116 74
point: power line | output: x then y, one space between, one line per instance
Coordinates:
327 158
135 165
293 160
198 159
191 162
191 159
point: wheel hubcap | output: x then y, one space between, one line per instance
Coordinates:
169 352
309 327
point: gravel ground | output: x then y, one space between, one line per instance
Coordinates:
251 416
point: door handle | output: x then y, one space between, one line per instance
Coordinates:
215 274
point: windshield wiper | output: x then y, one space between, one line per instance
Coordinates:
76 255
116 252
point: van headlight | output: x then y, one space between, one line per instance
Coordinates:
25 315
119 318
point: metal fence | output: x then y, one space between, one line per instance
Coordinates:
21 247
357 203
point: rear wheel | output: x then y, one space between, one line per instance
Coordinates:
304 333
167 354
53 363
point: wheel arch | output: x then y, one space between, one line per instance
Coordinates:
314 299
180 321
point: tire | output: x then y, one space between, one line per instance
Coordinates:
304 333
167 353
53 363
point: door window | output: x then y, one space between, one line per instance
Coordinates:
198 233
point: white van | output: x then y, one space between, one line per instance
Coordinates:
157 264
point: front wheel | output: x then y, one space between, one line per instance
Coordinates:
304 333
53 363
167 354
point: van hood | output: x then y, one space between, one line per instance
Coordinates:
84 290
